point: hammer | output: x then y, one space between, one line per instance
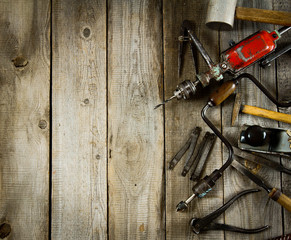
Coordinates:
256 111
221 14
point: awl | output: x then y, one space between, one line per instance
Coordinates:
273 193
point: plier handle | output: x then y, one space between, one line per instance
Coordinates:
205 223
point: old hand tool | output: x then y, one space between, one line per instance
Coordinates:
265 140
260 160
202 155
256 111
190 159
267 61
234 59
283 237
191 143
203 186
273 193
204 224
221 14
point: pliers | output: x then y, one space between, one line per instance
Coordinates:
205 223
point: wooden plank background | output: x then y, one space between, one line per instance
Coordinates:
83 153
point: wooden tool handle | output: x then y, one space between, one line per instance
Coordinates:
281 198
262 15
223 92
261 112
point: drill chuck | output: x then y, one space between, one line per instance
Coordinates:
186 89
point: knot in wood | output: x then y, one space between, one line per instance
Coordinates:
5 230
20 62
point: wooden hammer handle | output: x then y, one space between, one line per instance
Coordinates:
262 15
260 112
281 198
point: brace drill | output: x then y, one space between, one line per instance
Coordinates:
233 60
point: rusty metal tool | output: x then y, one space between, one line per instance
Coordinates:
260 160
256 111
273 193
283 237
202 155
203 186
190 159
235 59
204 224
191 143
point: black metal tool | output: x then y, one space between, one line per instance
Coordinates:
273 193
265 140
260 160
203 186
267 61
190 157
205 223
202 155
190 142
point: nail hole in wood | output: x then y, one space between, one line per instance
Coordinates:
86 32
42 124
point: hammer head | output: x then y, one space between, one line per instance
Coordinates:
220 14
236 108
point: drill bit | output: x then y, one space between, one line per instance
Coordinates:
164 102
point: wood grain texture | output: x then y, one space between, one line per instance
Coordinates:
181 117
263 15
24 117
256 209
79 138
284 90
135 129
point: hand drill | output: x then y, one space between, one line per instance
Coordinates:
233 60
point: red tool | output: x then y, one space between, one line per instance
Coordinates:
233 60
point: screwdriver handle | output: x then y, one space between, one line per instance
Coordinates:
223 92
281 198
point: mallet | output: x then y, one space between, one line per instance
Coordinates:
256 111
221 14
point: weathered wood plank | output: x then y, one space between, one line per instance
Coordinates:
284 90
79 138
24 117
256 209
135 129
181 117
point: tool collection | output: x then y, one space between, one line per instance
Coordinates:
235 59
259 47
198 160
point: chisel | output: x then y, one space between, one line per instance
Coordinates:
273 193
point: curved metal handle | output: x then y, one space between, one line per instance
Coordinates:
200 224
